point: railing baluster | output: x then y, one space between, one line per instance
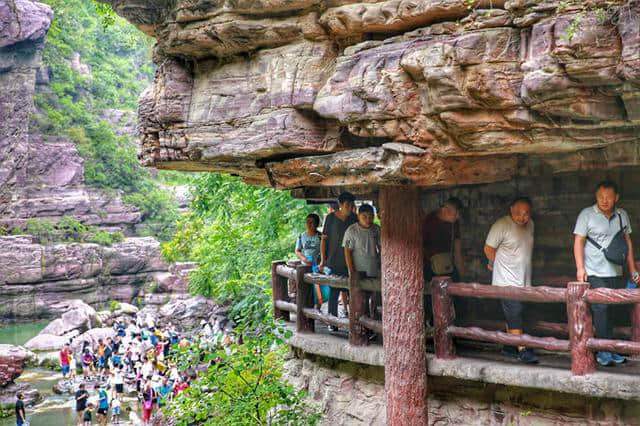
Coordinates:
304 299
357 306
580 329
278 291
443 316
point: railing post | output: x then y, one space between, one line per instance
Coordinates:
635 322
278 291
443 316
580 329
304 299
357 307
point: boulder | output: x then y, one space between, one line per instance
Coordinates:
46 342
23 20
12 362
127 308
79 316
31 396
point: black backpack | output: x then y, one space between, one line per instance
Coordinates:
617 251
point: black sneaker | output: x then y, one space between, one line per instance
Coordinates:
510 351
527 356
333 328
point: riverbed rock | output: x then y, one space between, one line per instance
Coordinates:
12 362
46 342
31 396
79 317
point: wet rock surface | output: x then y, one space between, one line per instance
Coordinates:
435 93
12 362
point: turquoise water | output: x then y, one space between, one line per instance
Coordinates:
53 410
19 334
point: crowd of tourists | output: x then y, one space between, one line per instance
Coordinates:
135 361
349 244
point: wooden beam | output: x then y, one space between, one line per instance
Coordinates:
371 324
286 306
612 296
609 345
525 294
315 314
405 372
476 333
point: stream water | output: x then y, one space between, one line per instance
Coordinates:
52 410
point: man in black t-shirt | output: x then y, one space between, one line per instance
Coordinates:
437 229
81 402
21 416
331 250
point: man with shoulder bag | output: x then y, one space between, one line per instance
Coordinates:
442 248
602 246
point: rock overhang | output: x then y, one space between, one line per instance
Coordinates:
306 93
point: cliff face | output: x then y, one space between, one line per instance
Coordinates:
328 93
40 176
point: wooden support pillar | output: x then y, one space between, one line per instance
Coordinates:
278 291
357 307
443 316
580 329
405 361
304 299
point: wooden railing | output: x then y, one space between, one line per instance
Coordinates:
577 297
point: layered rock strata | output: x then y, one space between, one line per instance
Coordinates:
41 176
35 278
434 93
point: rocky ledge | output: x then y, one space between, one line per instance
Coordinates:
311 93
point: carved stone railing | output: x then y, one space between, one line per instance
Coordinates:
577 297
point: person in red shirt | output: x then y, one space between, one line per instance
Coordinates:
441 239
65 360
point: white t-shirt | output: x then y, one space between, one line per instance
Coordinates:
514 244
365 245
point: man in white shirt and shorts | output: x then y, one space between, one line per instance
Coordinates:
509 248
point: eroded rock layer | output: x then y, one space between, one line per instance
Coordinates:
436 93
35 278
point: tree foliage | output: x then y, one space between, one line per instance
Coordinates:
235 231
119 59
242 385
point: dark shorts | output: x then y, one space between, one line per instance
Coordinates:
513 313
102 362
103 411
119 387
65 370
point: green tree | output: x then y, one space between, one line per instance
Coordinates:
234 232
243 386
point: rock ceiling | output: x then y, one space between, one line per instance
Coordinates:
309 93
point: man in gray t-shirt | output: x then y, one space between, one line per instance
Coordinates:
508 248
601 222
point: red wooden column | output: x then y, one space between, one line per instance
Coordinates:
405 373
278 291
443 316
635 322
583 360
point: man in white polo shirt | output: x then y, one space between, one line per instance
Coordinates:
600 223
508 248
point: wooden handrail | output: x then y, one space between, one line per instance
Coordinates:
327 319
476 333
612 296
611 345
286 306
541 294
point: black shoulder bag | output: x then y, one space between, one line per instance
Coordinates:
617 251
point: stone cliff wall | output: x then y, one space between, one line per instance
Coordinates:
40 176
313 93
34 278
348 393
